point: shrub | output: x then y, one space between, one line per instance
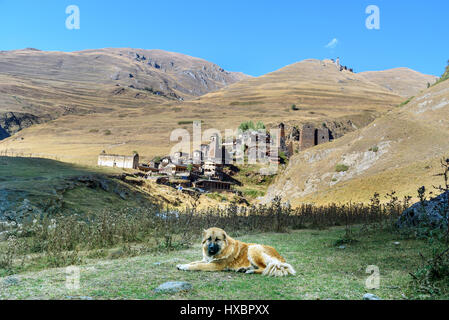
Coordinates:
260 125
294 107
107 132
248 125
341 167
374 149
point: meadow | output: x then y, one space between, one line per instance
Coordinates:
324 271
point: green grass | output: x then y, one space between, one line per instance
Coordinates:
252 193
41 180
323 272
406 102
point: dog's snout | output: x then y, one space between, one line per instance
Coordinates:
212 248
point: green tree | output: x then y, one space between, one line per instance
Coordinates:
260 125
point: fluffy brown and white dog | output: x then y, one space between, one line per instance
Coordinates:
222 253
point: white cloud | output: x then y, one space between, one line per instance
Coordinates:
332 44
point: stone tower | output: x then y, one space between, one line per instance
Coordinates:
307 137
215 152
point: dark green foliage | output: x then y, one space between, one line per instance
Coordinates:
294 107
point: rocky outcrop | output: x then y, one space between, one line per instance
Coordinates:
13 122
433 212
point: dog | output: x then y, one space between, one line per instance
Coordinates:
222 253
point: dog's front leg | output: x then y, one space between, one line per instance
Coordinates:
201 266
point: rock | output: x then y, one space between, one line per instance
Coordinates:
396 243
4 236
342 247
104 185
11 281
123 195
79 298
370 296
173 287
13 122
431 213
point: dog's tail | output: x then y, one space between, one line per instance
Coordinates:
276 268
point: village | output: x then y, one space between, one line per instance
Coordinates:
211 167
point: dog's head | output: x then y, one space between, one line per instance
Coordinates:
214 242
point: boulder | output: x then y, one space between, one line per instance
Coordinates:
11 281
370 296
4 236
433 212
173 287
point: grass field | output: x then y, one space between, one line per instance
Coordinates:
324 271
42 180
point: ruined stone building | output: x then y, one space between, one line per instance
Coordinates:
118 161
310 136
307 137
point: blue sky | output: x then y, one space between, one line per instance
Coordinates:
254 37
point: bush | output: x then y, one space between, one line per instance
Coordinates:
341 168
294 107
248 125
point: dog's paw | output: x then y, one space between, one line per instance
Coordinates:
250 271
183 267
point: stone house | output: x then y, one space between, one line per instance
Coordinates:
118 161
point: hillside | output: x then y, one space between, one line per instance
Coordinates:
321 92
29 186
38 86
403 81
399 151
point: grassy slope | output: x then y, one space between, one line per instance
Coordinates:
40 180
404 81
324 272
410 142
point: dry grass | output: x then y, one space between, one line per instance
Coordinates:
144 125
409 142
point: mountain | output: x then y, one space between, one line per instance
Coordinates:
403 81
399 151
121 119
38 86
